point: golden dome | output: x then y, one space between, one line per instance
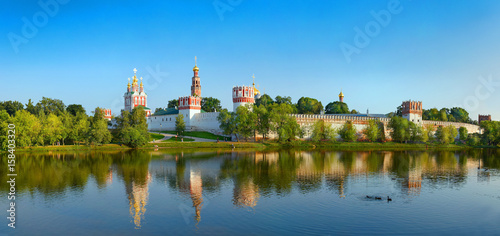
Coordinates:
255 90
195 68
341 94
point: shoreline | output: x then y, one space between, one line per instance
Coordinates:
339 146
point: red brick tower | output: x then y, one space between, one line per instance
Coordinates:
483 118
195 86
341 96
412 110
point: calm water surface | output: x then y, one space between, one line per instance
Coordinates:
255 193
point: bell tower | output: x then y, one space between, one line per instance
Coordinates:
195 86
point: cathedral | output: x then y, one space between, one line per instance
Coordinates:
135 95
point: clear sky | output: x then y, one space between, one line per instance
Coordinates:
82 52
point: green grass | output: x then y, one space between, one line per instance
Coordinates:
207 145
173 139
198 134
156 136
365 146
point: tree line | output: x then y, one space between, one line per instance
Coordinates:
51 122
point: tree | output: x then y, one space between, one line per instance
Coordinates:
5 120
264 100
132 128
307 105
427 133
49 105
337 108
32 108
180 126
446 134
80 128
210 104
282 123
348 132
53 128
227 122
246 121
284 99
74 109
173 103
372 131
27 128
262 125
463 133
491 132
11 107
322 131
99 133
400 129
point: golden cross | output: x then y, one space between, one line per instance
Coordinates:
135 70
195 60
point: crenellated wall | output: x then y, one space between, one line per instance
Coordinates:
208 122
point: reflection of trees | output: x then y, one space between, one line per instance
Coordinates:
269 171
53 174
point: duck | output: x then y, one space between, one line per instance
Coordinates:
378 198
389 199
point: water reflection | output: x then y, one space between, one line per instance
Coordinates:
254 175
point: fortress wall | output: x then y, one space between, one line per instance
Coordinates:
161 123
337 121
206 122
470 127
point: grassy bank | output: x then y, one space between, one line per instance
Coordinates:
198 134
270 145
364 146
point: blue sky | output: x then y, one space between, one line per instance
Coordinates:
432 51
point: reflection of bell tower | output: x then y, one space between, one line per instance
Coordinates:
196 190
245 193
415 180
138 198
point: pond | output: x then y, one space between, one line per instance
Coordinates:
224 192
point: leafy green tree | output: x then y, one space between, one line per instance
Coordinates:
132 128
463 133
99 133
491 132
337 108
227 122
11 107
210 104
372 131
446 134
5 120
32 108
399 129
283 124
348 132
284 99
443 114
67 122
322 131
74 109
262 120
246 121
307 105
80 129
27 128
49 105
53 129
427 133
473 140
180 125
264 100
173 103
